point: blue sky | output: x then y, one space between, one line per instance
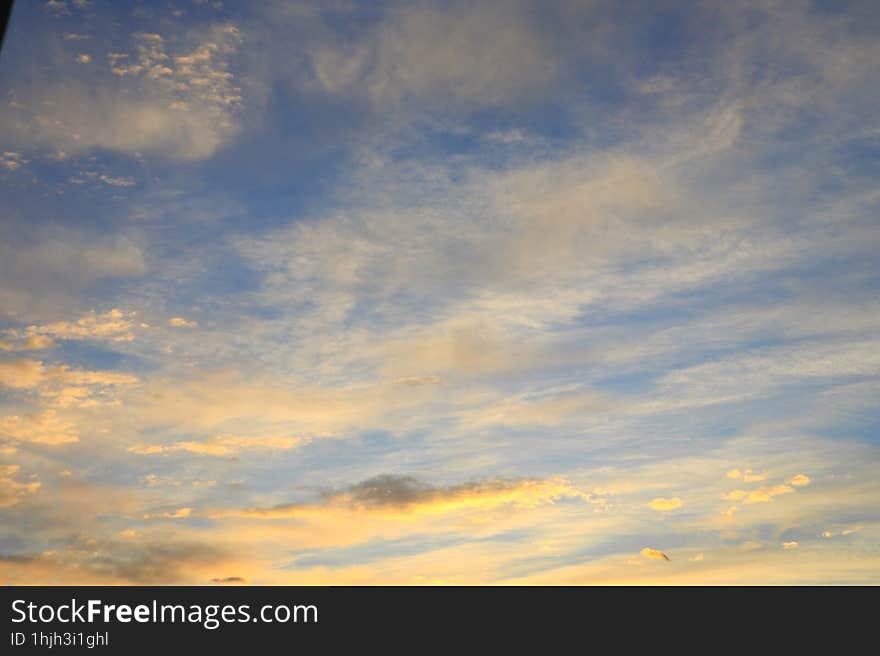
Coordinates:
439 292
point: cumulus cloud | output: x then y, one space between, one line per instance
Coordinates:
655 554
761 495
181 102
21 374
799 480
28 343
11 489
11 160
661 504
180 322
61 385
45 427
748 476
114 325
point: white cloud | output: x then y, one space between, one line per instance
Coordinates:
181 103
461 54
113 325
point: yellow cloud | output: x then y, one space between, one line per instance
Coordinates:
790 545
12 491
396 497
647 552
748 476
766 494
799 480
29 343
25 374
180 322
21 374
661 504
114 325
43 428
222 445
180 513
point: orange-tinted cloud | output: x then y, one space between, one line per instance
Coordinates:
662 504
648 552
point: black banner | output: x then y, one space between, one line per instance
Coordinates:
122 619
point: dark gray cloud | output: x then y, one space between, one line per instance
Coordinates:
397 491
109 560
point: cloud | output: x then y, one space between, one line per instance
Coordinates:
21 374
117 562
230 580
222 445
790 545
414 381
63 386
46 428
180 322
11 490
114 325
463 54
799 480
761 495
180 513
28 343
661 504
41 276
766 494
11 160
647 552
396 496
181 102
748 476
528 258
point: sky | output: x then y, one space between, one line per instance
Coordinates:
337 292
